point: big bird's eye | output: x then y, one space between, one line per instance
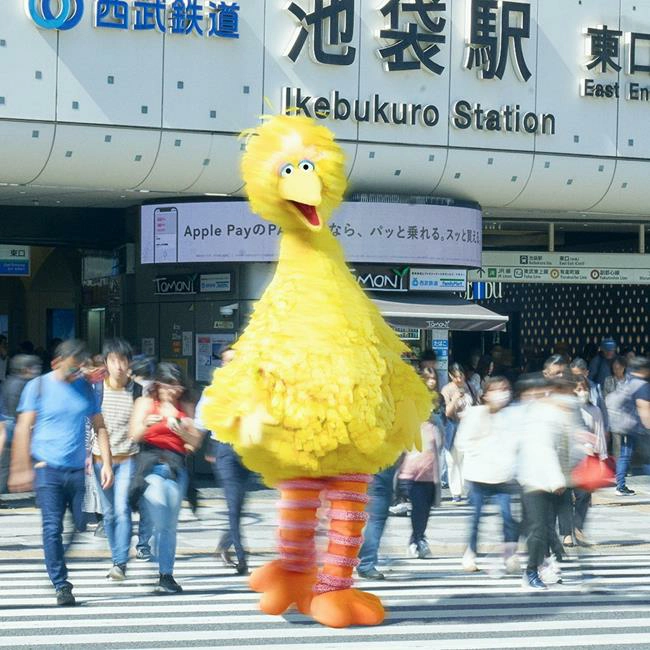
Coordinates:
286 170
306 165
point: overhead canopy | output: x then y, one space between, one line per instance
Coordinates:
440 313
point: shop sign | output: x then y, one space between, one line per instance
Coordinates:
438 280
440 345
215 282
223 325
15 260
606 47
484 291
567 268
382 278
181 17
175 285
407 333
208 348
383 233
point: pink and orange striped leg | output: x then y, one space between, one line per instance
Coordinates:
335 603
290 579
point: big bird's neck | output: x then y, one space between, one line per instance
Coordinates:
306 246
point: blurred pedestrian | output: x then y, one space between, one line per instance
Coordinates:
235 478
619 375
580 369
23 368
458 396
163 425
601 365
419 476
116 395
487 438
51 431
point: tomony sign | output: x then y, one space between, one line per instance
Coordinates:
55 14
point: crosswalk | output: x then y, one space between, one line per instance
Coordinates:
431 604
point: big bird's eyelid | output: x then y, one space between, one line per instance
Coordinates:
306 165
286 170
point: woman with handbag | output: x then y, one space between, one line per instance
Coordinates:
595 445
163 423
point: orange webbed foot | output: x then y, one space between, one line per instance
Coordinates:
347 607
281 588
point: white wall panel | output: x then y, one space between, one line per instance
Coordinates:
397 169
214 83
222 173
101 157
491 178
564 183
181 159
492 94
422 86
634 141
27 66
313 78
25 149
89 56
585 125
629 191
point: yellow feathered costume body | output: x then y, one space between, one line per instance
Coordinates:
317 386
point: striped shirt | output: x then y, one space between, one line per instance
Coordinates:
117 406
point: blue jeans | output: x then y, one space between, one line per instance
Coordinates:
115 505
381 495
145 529
57 489
163 499
482 493
628 443
234 478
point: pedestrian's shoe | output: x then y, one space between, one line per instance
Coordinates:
400 509
423 550
371 574
225 556
581 539
99 529
625 491
117 573
513 565
413 549
531 581
456 499
64 596
143 555
550 572
167 584
567 541
242 569
469 562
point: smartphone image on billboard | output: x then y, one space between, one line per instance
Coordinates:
165 225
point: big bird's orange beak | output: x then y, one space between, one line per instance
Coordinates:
303 190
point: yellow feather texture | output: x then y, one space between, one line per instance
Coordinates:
317 386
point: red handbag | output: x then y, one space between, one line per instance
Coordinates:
591 473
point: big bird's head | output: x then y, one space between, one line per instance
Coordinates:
294 172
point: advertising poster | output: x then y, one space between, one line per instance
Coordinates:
208 347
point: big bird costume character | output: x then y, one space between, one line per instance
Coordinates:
317 398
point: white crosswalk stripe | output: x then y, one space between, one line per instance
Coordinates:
431 604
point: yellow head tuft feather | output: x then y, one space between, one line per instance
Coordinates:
290 139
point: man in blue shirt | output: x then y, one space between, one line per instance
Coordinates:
49 452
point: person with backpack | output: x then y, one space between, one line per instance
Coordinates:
629 412
49 452
116 395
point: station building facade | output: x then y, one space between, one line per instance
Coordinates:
532 113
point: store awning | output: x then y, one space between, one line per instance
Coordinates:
440 313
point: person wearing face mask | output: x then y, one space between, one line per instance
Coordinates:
51 430
595 444
488 444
